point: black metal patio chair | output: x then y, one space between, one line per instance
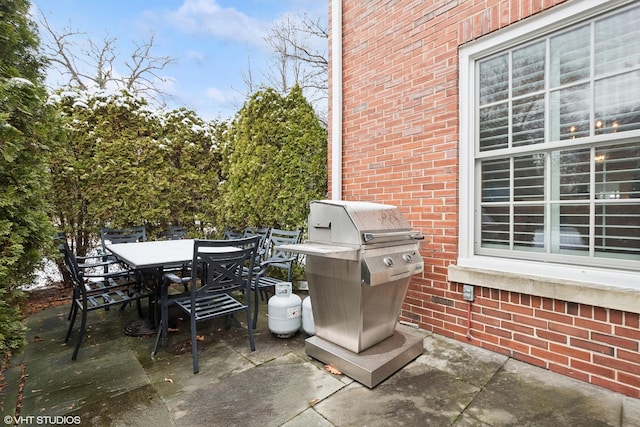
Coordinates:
120 235
100 290
173 233
274 258
219 287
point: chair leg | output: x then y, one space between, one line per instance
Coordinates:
73 302
194 344
163 326
83 324
255 306
73 312
252 343
155 346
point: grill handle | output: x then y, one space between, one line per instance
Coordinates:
416 235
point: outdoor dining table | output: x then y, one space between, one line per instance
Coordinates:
155 256
151 257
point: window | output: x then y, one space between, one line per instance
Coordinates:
551 137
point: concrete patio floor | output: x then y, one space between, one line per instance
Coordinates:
115 382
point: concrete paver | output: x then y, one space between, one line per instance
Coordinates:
116 382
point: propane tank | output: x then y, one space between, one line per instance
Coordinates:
284 311
307 317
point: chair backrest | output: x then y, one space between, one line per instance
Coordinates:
230 234
222 269
122 235
71 263
173 233
262 232
278 257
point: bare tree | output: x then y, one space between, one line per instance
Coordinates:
300 52
95 65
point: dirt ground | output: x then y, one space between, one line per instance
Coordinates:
52 296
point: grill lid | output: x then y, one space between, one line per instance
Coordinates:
356 223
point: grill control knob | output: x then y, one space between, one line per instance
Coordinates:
407 257
388 261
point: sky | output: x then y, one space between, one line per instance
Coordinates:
214 42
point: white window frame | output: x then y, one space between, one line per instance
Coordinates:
517 270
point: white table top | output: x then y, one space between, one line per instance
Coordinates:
158 253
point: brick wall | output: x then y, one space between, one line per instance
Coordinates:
400 146
592 344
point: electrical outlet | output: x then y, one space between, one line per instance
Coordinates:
467 292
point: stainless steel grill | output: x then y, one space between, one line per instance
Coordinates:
360 257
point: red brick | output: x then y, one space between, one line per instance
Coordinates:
531 341
615 341
485 320
600 313
555 317
529 359
515 327
591 346
570 331
551 336
496 348
605 328
593 368
514 345
487 303
496 313
549 356
564 370
616 386
586 311
632 380
571 352
536 302
618 364
531 321
512 308
631 356
499 332
632 320
615 316
630 333
486 338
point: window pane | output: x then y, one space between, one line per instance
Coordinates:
618 230
494 80
556 184
495 180
617 42
494 127
570 113
570 56
495 227
570 174
618 103
572 234
528 228
618 172
528 69
528 178
528 120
